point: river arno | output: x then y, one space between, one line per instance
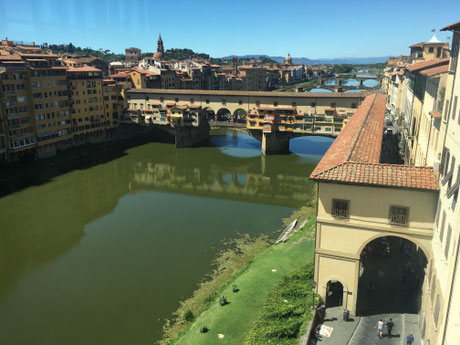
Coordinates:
102 255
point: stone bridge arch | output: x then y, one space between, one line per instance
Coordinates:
240 115
224 115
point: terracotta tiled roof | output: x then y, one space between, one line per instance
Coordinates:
427 64
119 75
451 27
417 45
83 69
355 154
390 175
436 70
435 114
397 73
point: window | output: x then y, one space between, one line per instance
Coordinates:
313 104
430 50
446 247
443 223
207 101
399 215
275 103
176 99
454 108
224 102
353 105
436 311
438 211
448 176
332 105
257 103
340 208
240 102
433 288
438 52
192 101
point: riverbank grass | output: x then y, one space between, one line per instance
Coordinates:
235 319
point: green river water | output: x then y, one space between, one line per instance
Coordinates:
103 254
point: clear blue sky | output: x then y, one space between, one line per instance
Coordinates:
304 28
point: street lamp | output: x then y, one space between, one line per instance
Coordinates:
313 288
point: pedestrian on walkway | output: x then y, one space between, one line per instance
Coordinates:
379 327
390 325
410 338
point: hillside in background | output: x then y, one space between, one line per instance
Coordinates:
306 61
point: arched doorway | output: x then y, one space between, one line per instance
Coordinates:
334 294
391 274
239 116
224 115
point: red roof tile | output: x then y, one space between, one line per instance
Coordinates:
417 45
451 27
427 64
83 69
436 70
355 154
435 114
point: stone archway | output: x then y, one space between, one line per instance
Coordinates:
240 115
224 115
334 294
390 276
208 114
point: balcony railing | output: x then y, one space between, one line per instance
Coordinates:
11 104
13 116
9 92
20 135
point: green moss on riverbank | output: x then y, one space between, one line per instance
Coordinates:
248 264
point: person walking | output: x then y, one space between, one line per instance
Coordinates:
410 338
379 327
390 325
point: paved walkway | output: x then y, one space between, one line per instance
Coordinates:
342 331
362 331
366 333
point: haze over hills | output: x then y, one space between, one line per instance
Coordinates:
307 61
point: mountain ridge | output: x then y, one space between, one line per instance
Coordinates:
325 61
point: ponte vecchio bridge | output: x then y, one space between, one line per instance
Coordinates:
271 117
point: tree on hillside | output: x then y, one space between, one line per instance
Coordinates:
345 68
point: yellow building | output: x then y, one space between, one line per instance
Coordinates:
355 233
51 106
88 111
431 50
18 120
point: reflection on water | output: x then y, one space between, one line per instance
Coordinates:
102 255
319 90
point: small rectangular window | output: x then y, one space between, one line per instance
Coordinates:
224 102
454 108
207 101
443 224
313 104
257 103
340 208
446 247
240 102
294 104
438 211
332 105
275 103
399 216
353 105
